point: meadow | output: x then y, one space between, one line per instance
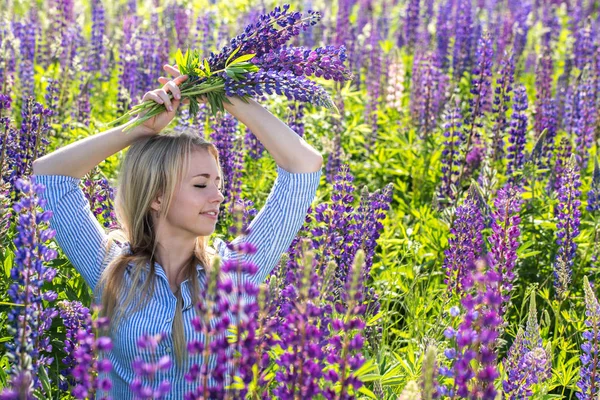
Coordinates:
453 246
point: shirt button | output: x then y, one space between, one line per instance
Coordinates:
169 319
168 349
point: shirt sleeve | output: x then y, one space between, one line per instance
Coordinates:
277 223
78 232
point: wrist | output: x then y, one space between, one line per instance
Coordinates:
139 131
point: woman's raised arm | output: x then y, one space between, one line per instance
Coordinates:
78 158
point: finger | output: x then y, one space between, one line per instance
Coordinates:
185 101
173 88
162 80
172 70
152 96
165 96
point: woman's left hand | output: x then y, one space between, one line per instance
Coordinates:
174 72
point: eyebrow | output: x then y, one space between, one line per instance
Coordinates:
206 176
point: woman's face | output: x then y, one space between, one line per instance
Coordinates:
197 194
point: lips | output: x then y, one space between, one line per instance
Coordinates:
213 217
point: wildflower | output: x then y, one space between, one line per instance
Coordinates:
589 382
29 321
518 131
568 215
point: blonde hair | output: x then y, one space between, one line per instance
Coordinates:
152 167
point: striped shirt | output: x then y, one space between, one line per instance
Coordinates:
83 240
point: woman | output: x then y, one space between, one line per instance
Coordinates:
168 186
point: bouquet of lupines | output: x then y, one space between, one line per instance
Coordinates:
254 63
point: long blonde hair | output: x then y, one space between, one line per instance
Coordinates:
152 166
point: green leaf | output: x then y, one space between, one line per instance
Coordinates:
206 67
367 392
230 74
241 59
232 54
43 375
8 263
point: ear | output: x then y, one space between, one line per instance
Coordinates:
157 204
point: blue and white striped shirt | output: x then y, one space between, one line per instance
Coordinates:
83 239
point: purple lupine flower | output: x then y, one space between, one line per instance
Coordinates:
182 25
563 153
101 196
229 145
294 120
568 215
254 146
589 382
373 82
562 87
427 92
145 371
543 85
580 116
127 64
204 30
504 242
464 246
33 138
478 103
476 337
583 50
342 34
411 23
262 37
301 338
444 27
98 57
545 117
228 299
82 110
26 32
75 316
463 26
518 131
451 155
282 83
501 99
521 11
527 361
550 22
28 323
326 62
84 351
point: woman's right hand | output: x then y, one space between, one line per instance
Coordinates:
157 123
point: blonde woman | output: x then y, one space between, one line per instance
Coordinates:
167 187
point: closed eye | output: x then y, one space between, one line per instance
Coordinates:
203 186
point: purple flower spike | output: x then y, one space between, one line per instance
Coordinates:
282 83
326 62
518 131
28 322
568 214
501 100
464 246
262 37
589 383
527 362
504 240
476 337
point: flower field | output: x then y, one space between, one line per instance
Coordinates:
453 245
